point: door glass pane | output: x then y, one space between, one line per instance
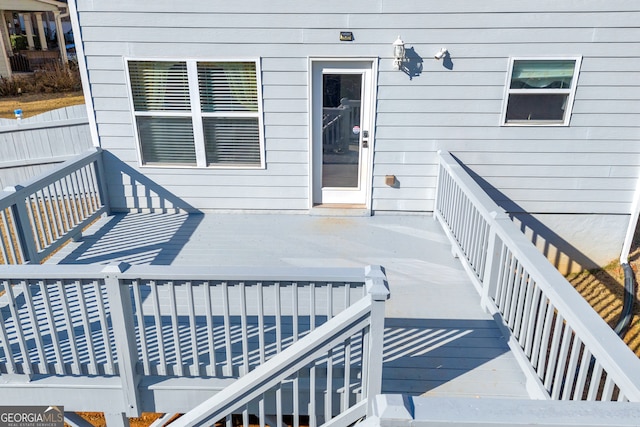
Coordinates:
341 105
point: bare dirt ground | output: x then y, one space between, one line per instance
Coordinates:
604 290
37 103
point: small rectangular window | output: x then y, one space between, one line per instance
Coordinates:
190 113
540 91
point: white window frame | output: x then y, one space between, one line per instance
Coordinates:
197 114
570 92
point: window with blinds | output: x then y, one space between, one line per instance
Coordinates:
203 114
540 91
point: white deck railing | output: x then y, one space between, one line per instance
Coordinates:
565 348
39 216
319 331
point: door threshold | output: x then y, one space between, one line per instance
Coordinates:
339 209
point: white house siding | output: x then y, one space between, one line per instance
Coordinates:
589 167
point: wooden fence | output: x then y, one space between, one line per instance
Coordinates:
32 146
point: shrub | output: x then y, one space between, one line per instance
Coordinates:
10 86
56 78
53 78
19 42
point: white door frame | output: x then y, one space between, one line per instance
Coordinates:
370 92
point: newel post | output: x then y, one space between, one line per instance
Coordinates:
23 227
124 333
378 290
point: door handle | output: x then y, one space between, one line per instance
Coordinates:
365 139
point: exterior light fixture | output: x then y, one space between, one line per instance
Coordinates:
441 53
398 53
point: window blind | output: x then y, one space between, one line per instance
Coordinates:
159 86
232 140
228 86
166 140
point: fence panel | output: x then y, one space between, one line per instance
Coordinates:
32 146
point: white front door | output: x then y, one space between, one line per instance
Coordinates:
341 131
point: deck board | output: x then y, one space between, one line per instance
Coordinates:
438 341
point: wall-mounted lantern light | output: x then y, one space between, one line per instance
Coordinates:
398 53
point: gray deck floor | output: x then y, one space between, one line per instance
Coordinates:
438 341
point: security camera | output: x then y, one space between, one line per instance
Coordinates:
441 54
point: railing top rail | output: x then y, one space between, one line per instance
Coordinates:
593 330
185 273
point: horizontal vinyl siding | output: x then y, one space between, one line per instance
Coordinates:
590 166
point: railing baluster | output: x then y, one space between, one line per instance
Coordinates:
36 222
157 318
86 324
82 205
515 283
520 304
228 370
347 375
329 301
43 208
142 330
572 368
108 350
261 329
296 400
527 313
245 416
35 326
175 329
193 329
328 394
279 411
211 344
6 344
594 383
278 310
71 203
6 242
312 306
295 319
86 189
19 331
63 208
53 329
546 337
55 210
532 330
244 326
583 372
73 345
539 330
313 415
556 385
